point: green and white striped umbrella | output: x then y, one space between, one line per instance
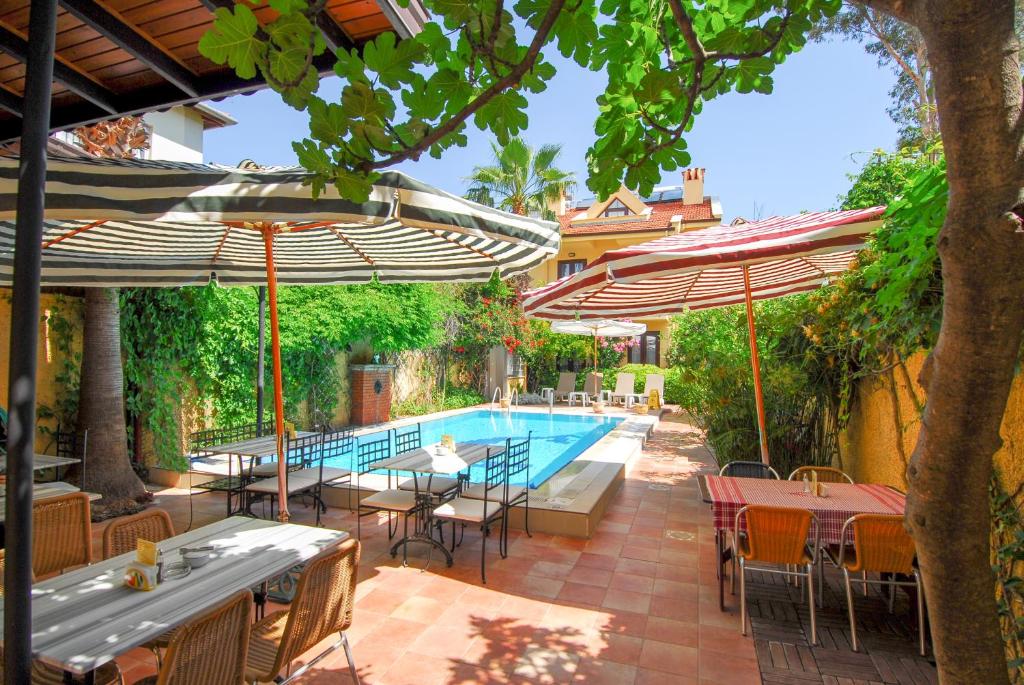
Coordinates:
145 223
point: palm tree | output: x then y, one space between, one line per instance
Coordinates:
101 395
521 180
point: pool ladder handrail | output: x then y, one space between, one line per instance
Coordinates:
513 396
495 396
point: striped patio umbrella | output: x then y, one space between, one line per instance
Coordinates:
116 223
712 267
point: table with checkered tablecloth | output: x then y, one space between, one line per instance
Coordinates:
728 495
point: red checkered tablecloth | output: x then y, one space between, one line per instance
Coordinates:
729 495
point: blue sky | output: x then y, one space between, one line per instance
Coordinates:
764 154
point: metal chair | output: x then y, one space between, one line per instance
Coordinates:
61 533
776 536
108 674
484 511
122 534
749 469
72 445
880 545
212 648
339 444
304 461
826 474
518 460
391 500
322 606
439 487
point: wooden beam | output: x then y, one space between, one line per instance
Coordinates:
115 28
11 101
75 81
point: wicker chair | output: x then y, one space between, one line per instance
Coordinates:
880 545
322 606
210 649
108 674
123 534
61 533
776 536
749 469
826 474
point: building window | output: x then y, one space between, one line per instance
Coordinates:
567 267
647 349
513 365
616 208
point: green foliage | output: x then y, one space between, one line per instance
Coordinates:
471 63
884 177
521 180
451 397
64 321
1008 567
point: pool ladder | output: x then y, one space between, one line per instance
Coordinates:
513 397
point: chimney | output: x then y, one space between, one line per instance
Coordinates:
693 186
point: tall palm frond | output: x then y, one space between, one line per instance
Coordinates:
521 180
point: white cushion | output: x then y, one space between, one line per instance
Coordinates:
470 510
390 500
439 485
267 469
495 495
332 473
297 482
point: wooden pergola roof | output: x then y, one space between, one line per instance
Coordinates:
117 57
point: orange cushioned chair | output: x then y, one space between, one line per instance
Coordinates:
776 536
123 534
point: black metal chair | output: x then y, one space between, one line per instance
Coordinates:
518 460
303 475
485 511
749 469
439 487
401 503
339 445
72 445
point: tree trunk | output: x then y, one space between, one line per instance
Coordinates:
974 54
101 406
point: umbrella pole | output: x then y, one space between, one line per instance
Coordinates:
275 353
261 344
756 364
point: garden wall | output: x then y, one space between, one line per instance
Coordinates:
885 421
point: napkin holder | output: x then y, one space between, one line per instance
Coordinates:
144 573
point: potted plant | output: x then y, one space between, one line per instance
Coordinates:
598 406
641 409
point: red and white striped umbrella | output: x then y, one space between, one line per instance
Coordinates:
705 268
712 267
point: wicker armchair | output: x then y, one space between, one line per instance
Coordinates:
880 545
776 536
61 533
123 534
826 474
322 606
210 649
108 674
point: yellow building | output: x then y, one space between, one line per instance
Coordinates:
591 228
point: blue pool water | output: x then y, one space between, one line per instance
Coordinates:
556 440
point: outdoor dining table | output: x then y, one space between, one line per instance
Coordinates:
43 491
728 494
41 462
427 461
87 617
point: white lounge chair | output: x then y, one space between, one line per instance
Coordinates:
625 388
592 386
654 381
566 385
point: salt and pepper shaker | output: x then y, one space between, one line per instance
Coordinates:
807 484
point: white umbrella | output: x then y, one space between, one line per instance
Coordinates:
602 328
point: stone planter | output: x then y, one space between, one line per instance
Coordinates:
371 393
598 407
505 402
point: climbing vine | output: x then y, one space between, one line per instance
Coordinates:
63 320
1008 566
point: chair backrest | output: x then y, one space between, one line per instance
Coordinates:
881 543
323 602
370 452
61 533
655 381
71 445
625 384
496 473
200 440
566 382
826 474
3 567
749 469
592 384
776 535
122 534
211 648
407 439
303 452
518 458
338 444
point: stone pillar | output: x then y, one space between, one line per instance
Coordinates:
371 393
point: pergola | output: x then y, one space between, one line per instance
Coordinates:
76 62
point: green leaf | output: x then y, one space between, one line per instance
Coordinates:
392 63
232 40
504 115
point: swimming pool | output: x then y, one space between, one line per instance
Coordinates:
557 439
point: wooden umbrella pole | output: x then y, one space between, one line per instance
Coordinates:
756 364
275 353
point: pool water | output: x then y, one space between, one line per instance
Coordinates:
556 439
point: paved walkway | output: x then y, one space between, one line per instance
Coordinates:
636 604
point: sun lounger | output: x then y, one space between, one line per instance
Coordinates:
566 385
625 388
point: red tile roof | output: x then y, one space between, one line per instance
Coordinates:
659 219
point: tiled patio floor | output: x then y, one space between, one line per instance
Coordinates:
637 603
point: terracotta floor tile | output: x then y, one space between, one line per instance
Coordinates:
550 569
647 676
419 609
677 609
539 586
395 632
417 669
637 567
578 593
625 600
621 622
601 561
590 576
601 672
664 656
632 551
734 670
623 649
675 590
633 583
675 632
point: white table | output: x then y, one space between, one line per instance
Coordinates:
41 462
85 618
42 491
582 396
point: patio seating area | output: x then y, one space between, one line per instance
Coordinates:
636 603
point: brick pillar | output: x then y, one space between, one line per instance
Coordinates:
371 393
